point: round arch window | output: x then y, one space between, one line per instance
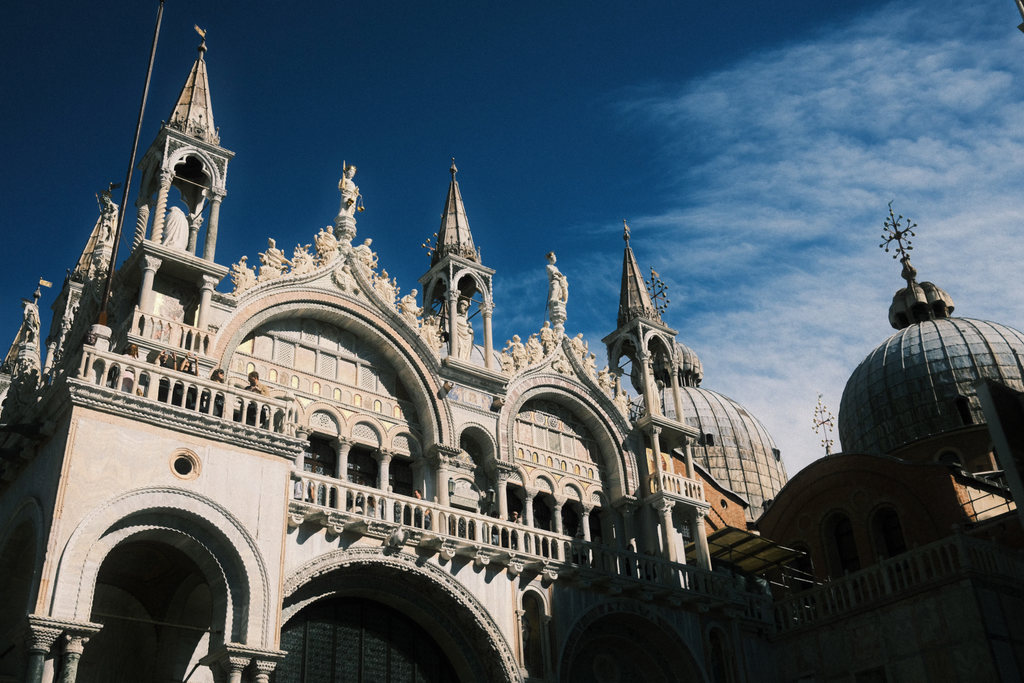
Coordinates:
185 464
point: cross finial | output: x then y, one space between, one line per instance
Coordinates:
202 34
625 231
823 424
453 170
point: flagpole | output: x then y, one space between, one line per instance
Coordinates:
131 168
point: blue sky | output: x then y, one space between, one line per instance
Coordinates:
752 147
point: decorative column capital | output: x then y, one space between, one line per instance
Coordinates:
207 281
653 430
663 505
215 194
383 457
486 308
150 263
74 644
166 177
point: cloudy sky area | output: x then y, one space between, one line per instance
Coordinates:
753 151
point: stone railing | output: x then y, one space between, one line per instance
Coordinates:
931 564
185 391
149 327
344 507
676 484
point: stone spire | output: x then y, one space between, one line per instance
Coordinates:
193 114
634 299
454 236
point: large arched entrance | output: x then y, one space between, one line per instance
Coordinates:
625 647
155 606
354 640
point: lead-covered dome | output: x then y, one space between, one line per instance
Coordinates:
734 446
918 382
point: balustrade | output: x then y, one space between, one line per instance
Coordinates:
174 333
182 390
541 547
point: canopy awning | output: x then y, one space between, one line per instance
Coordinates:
750 552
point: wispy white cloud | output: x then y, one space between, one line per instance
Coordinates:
785 162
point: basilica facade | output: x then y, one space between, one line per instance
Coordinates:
312 479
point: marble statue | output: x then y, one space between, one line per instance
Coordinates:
621 401
558 295
302 260
534 350
463 331
273 261
431 334
349 192
346 283
326 246
108 216
508 366
606 381
176 229
385 288
242 276
518 352
548 338
590 365
367 257
579 346
408 308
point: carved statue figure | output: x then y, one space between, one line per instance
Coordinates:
385 288
408 308
621 401
558 285
579 346
273 261
463 331
108 216
346 283
606 381
349 192
302 260
534 350
367 257
430 333
326 246
508 366
590 365
518 351
176 229
548 338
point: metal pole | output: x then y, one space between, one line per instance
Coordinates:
131 168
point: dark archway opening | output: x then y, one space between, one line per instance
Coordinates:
156 609
17 561
354 640
626 648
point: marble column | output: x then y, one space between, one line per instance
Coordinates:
652 402
502 496
262 670
453 311
688 451
233 667
556 515
206 283
150 264
74 645
585 522
486 309
668 529
210 246
383 468
700 536
629 525
677 397
442 480
166 177
654 433
528 508
141 221
38 641
341 449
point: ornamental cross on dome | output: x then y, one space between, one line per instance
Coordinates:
823 424
896 232
658 290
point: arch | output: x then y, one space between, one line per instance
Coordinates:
840 543
22 550
181 154
426 593
621 471
481 286
485 439
367 432
214 537
887 532
417 371
534 640
624 623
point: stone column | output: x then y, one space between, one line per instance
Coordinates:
233 667
38 641
486 308
503 495
651 399
210 246
383 459
150 264
141 222
585 522
74 645
166 177
263 669
341 448
453 303
556 515
442 480
677 397
701 538
668 529
528 509
206 283
301 432
627 510
654 433
688 451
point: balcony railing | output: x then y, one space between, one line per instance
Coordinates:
676 484
149 327
185 391
342 507
931 564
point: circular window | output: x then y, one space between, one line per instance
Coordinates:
185 464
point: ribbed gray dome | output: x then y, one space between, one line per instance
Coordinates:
740 453
908 388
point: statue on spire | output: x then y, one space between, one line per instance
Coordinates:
558 294
351 200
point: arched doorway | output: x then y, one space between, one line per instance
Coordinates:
156 609
624 647
355 640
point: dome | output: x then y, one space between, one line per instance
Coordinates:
918 382
735 447
691 371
